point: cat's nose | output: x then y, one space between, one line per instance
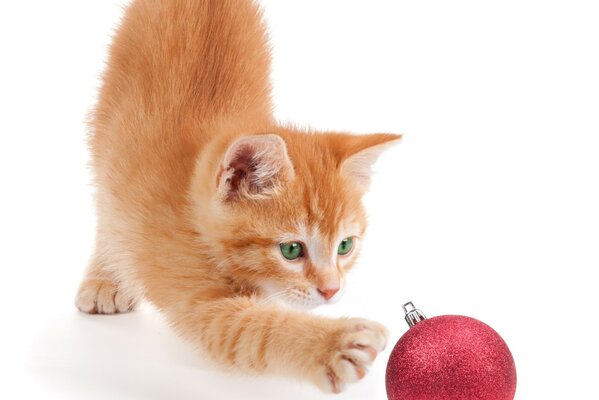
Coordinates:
328 293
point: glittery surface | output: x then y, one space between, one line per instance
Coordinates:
451 358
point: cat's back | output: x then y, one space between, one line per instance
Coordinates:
176 67
204 56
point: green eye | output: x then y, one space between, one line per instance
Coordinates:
292 250
345 246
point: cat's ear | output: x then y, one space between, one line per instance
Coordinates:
361 152
254 167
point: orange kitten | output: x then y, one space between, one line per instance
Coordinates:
215 213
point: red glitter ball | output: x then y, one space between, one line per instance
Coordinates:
451 358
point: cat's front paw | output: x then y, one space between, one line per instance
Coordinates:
100 296
350 350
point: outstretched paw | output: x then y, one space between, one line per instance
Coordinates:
100 296
352 349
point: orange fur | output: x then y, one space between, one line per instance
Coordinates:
197 185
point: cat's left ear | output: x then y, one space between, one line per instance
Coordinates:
361 152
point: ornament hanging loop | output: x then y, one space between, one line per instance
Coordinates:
413 315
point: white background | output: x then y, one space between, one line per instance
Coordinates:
489 207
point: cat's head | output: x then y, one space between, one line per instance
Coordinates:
283 212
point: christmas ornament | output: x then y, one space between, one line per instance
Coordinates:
451 357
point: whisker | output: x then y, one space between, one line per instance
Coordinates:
276 296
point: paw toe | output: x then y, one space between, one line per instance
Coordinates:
102 297
357 345
122 302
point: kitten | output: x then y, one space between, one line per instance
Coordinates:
215 213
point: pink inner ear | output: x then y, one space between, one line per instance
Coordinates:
253 166
243 167
359 165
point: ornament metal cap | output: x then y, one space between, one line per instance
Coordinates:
413 315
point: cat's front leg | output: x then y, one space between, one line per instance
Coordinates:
351 347
263 338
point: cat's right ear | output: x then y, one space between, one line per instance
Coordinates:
253 167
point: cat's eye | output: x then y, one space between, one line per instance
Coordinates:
345 246
292 250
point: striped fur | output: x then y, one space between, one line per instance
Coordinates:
197 186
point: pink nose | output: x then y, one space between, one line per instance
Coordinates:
328 293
